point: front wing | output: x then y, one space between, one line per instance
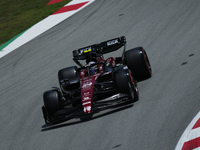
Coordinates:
107 103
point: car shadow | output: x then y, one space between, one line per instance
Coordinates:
86 118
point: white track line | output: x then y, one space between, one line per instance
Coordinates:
42 26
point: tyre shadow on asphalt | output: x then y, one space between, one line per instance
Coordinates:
86 118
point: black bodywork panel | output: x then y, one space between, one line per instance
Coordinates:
100 49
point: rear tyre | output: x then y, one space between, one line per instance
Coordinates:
52 103
137 61
133 88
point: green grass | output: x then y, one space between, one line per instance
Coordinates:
17 16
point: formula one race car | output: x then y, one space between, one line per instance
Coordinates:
98 85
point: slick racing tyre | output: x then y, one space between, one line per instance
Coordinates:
52 103
125 82
137 61
69 74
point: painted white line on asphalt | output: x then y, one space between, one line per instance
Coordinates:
42 26
78 1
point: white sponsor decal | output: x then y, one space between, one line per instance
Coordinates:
87 94
88 108
87 84
112 42
125 67
86 98
85 49
86 103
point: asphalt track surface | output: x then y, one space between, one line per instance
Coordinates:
168 30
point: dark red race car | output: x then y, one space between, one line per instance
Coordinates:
100 84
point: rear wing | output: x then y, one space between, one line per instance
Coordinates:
101 48
112 45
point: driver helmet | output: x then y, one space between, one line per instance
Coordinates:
93 70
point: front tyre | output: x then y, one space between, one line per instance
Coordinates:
52 103
133 88
125 83
68 73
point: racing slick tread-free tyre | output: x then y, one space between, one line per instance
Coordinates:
52 102
69 73
137 61
125 83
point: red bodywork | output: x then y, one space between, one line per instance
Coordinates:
87 84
